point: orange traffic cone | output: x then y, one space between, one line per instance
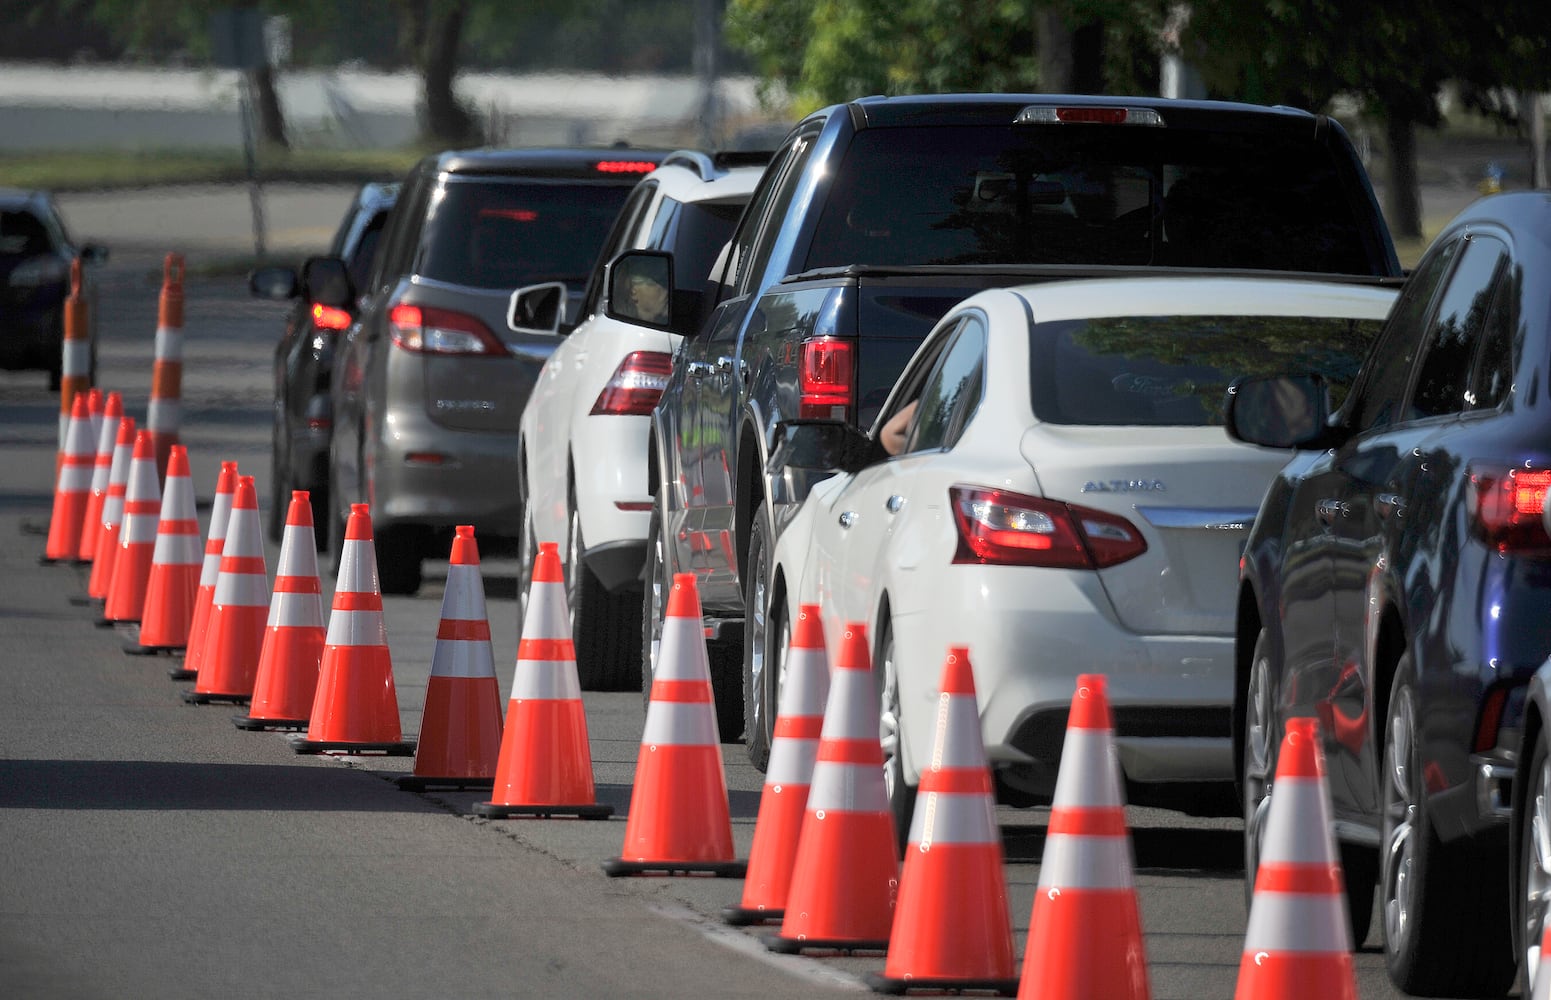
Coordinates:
75 362
287 678
209 573
164 413
102 468
234 633
1085 933
356 708
679 820
72 488
784 798
1299 940
460 724
136 538
109 528
174 580
951 925
545 761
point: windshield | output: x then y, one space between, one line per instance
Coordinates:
1090 195
1170 371
502 233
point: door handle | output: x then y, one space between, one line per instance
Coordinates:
725 365
1328 510
848 518
894 503
697 369
1390 505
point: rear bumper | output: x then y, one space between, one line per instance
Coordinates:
473 480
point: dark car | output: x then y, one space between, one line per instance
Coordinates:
1397 586
304 355
429 384
35 258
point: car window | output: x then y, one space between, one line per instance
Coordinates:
1381 387
699 231
738 250
953 389
360 258
1174 371
621 237
402 232
22 235
753 266
1493 371
1443 375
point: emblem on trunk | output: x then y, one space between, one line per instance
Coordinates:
1124 486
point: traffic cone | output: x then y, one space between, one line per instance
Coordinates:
164 413
1085 932
793 752
1299 939
72 487
75 362
460 723
234 632
356 709
109 528
102 468
287 678
174 580
136 538
679 821
847 867
95 401
951 925
544 767
209 573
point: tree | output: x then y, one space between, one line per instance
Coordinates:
431 34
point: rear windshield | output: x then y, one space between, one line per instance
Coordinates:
1170 371
502 233
1092 195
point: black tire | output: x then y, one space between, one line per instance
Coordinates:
336 524
603 625
766 636
56 376
1446 930
321 511
279 491
653 598
398 560
1534 875
1255 745
901 795
726 662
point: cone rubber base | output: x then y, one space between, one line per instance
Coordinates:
796 946
84 602
135 649
743 916
615 867
207 697
301 744
253 725
491 810
879 983
183 674
421 783
106 623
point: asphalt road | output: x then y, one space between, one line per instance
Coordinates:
153 849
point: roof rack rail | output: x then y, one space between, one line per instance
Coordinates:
694 159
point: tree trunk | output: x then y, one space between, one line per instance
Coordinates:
271 118
1534 115
446 119
1402 193
1055 51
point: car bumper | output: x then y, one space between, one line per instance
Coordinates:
471 480
30 334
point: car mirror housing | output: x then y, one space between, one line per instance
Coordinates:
1278 411
538 309
639 289
820 446
273 283
326 280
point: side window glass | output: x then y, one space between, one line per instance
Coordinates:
1493 374
621 238
752 266
667 212
1381 387
954 386
1443 378
403 229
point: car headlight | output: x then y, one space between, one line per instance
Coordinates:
43 270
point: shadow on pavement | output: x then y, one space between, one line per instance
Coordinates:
1157 850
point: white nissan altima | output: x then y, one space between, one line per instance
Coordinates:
1064 501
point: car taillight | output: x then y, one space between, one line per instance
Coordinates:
625 166
329 318
1507 507
636 385
826 371
1046 115
428 330
1006 528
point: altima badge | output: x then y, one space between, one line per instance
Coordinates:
465 404
1124 486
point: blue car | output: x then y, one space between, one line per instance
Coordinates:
35 258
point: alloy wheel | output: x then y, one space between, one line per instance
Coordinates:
1257 766
1401 798
1537 863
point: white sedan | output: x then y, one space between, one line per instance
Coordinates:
1066 501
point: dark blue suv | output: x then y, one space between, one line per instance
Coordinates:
1397 586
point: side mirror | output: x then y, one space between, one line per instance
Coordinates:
820 446
538 309
1278 411
93 253
639 289
273 283
326 280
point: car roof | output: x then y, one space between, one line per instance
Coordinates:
691 175
622 163
1001 109
19 198
1203 296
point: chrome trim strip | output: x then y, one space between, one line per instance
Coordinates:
1208 518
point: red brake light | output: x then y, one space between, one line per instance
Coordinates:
328 318
515 214
1006 528
826 373
1508 507
1046 115
427 330
636 385
626 166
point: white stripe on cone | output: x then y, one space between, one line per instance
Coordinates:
357 568
791 761
1090 773
1073 861
842 787
680 723
546 680
466 658
852 691
685 659
1297 923
356 628
288 609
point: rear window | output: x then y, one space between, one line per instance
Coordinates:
1171 371
1119 195
500 233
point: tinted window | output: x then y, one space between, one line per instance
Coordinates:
1102 195
620 238
1494 365
361 256
490 233
1165 371
23 234
1376 402
1443 379
696 237
952 390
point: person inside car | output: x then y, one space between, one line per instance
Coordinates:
648 298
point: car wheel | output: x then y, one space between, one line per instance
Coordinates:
527 552
1257 765
603 627
1446 931
279 490
1534 873
767 636
398 560
901 794
654 596
726 662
